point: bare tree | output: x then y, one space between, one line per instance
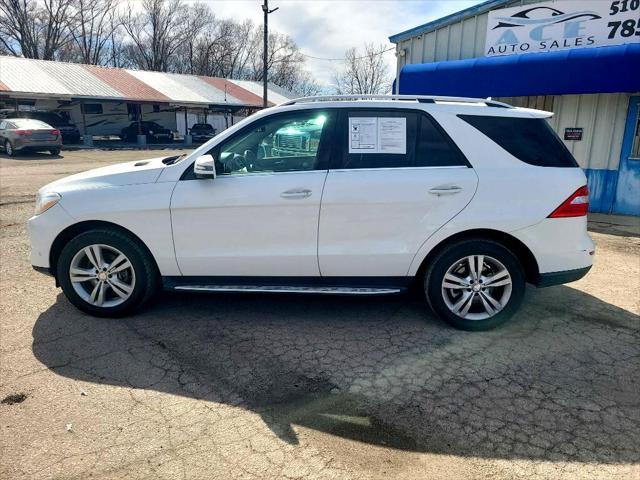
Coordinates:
35 29
364 72
198 19
160 35
305 85
156 33
93 30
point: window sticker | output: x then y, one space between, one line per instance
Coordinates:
392 135
363 135
378 135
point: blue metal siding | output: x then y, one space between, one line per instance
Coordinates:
627 190
602 187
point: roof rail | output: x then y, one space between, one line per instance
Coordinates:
405 98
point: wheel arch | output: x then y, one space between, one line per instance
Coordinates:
81 227
522 252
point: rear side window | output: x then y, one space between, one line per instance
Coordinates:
435 148
531 140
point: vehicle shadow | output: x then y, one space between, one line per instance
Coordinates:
32 156
560 382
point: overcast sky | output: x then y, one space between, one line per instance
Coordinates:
326 28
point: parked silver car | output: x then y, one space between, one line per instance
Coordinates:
25 134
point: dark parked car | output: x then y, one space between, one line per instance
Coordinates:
153 131
69 132
22 134
202 132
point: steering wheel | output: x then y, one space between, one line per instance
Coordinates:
235 163
249 159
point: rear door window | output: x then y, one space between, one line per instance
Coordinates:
359 131
422 143
530 140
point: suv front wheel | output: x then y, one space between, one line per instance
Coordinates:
475 284
106 273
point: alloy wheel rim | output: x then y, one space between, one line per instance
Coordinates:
102 275
476 287
9 148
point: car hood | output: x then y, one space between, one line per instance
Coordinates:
129 173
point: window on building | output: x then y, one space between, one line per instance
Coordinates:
133 111
531 140
635 148
92 108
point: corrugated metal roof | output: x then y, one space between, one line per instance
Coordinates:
244 96
183 88
78 80
42 78
204 89
22 75
128 85
274 97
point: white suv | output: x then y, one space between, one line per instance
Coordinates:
467 198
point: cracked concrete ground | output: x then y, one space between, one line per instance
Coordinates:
254 386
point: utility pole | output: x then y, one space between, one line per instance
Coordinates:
266 11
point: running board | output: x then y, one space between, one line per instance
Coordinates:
323 290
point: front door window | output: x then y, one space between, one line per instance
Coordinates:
284 143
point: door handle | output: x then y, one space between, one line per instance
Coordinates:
445 190
296 193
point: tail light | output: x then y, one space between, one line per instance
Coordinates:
24 132
55 132
574 206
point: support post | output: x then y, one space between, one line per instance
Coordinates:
265 51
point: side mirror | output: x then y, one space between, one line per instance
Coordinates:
204 167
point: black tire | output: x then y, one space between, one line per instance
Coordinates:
9 150
54 151
435 272
146 272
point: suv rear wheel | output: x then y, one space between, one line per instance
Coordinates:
106 273
475 284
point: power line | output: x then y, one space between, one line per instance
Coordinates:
344 59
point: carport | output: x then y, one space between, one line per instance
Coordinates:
102 101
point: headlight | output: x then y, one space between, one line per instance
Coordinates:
45 201
150 132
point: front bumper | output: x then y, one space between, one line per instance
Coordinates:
43 230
